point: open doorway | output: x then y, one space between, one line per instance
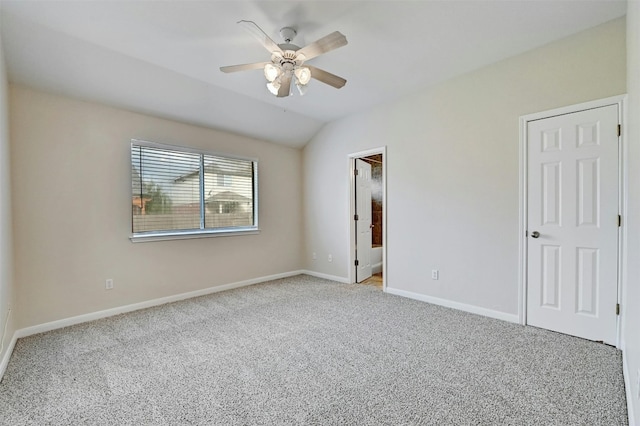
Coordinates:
367 218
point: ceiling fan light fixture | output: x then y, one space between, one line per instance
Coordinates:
303 74
273 87
271 72
286 62
302 88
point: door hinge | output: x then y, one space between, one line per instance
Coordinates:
355 217
617 309
619 221
619 130
356 262
355 172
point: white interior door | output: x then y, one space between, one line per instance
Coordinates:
572 233
363 222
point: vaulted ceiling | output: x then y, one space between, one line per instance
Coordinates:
163 57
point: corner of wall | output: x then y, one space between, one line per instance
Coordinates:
7 297
631 267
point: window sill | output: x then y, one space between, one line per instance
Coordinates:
185 235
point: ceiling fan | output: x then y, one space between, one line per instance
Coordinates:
288 60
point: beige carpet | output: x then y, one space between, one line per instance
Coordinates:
306 351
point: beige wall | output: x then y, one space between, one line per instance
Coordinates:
452 169
6 257
631 303
72 211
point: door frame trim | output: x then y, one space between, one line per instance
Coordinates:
352 206
620 101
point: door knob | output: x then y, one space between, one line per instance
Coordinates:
535 234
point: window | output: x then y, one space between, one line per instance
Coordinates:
225 180
184 193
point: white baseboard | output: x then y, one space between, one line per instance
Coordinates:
53 325
628 380
455 305
4 362
326 276
376 268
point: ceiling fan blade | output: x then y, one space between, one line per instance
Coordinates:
243 67
325 44
261 36
285 85
326 77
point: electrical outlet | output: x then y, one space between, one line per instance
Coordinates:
108 285
313 256
435 274
330 258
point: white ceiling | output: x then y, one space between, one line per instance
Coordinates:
163 57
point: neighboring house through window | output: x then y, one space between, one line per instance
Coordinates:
225 180
180 192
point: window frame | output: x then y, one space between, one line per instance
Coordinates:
181 234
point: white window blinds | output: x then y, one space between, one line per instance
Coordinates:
181 191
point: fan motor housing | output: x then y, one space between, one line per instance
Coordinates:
288 60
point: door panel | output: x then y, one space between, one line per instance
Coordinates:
588 200
551 276
363 224
551 193
572 266
587 280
